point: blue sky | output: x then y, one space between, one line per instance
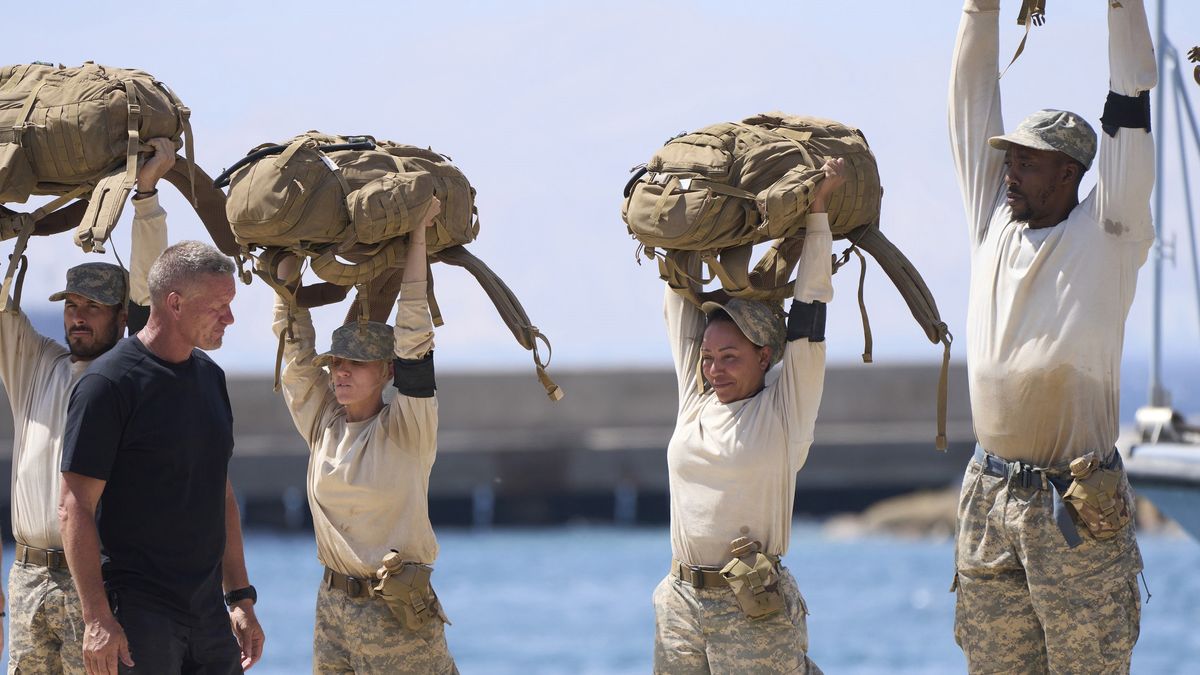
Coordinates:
546 106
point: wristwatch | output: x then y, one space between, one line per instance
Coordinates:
241 594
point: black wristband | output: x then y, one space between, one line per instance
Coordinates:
247 593
1125 112
414 377
138 194
806 320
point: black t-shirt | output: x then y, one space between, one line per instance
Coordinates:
161 435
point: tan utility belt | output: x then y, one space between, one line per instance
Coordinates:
697 576
351 586
49 558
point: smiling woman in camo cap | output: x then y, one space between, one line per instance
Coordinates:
368 478
727 604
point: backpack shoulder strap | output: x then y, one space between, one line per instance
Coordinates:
93 220
920 302
104 210
329 268
108 199
208 202
27 226
510 310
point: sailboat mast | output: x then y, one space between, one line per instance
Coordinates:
1158 394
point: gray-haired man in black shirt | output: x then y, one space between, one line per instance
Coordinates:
149 521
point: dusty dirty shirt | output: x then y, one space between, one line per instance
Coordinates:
39 376
1047 307
732 467
368 481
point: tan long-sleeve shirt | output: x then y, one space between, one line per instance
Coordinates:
39 375
368 481
1047 307
732 466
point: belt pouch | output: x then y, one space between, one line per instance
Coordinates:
753 577
1096 495
405 587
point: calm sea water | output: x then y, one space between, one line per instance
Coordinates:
576 600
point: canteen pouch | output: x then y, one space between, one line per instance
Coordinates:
753 577
1097 497
405 587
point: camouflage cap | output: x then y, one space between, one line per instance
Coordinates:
103 282
360 341
1058 130
761 323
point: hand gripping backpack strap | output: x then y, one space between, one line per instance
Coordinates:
920 302
510 310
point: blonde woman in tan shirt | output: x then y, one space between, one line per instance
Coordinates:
368 477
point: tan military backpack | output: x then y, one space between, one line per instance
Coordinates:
719 191
344 204
77 133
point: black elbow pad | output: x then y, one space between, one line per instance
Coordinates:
1125 112
414 377
806 320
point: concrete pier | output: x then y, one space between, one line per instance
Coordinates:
507 455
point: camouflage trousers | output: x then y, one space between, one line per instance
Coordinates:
45 624
702 630
1027 603
361 635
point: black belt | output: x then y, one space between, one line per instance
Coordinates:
51 558
1055 478
351 586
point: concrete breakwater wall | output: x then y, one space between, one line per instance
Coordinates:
507 455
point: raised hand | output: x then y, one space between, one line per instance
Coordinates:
835 177
157 165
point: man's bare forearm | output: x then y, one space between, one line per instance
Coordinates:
233 562
81 543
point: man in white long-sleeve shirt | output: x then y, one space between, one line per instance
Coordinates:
46 624
1052 280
